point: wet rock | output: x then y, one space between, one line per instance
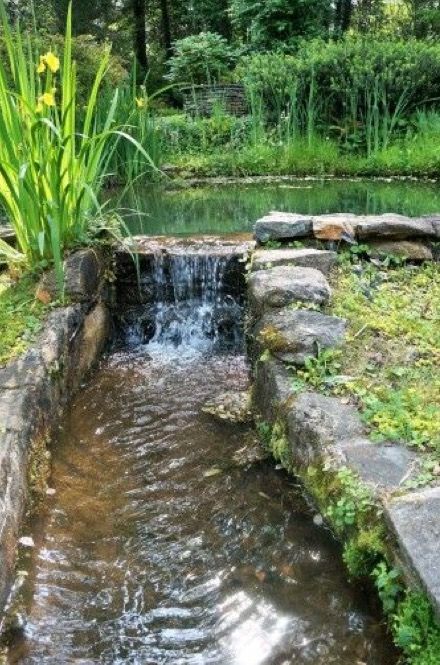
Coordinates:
384 466
94 335
272 392
322 260
412 250
394 226
340 226
295 335
7 234
317 424
284 285
415 521
82 272
233 407
283 226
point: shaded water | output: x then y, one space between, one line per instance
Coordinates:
235 207
156 549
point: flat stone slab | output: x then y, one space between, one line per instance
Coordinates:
384 466
322 260
233 245
415 521
394 226
295 335
283 226
285 285
318 424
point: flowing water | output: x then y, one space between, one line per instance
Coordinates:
156 548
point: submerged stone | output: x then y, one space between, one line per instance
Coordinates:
295 335
284 285
231 406
322 260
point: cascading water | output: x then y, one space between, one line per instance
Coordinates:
192 308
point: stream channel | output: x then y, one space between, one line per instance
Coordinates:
155 547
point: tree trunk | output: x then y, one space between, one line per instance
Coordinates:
166 28
140 36
343 12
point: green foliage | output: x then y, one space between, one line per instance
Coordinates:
363 551
416 631
51 169
387 581
353 502
20 316
203 58
279 23
392 349
319 373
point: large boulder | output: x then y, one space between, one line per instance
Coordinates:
295 335
392 226
284 285
321 260
82 273
283 226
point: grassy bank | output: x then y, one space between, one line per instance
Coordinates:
21 316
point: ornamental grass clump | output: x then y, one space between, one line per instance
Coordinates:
51 169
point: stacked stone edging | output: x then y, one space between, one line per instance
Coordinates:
35 387
389 233
324 431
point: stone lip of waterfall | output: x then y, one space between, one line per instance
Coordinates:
191 296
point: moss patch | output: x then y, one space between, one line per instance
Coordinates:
20 315
391 354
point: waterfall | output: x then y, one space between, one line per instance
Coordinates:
192 303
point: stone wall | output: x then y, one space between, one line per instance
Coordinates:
35 387
202 100
322 432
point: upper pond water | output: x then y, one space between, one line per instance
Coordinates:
234 207
158 549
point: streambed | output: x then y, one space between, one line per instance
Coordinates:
144 557
156 548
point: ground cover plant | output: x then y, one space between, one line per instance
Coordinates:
21 315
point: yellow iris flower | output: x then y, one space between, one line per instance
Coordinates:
50 60
47 99
140 102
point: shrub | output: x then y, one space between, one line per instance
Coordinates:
203 58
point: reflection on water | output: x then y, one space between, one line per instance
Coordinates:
235 207
145 558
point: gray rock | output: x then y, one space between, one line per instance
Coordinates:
384 466
409 249
82 271
283 226
415 521
272 390
317 425
322 260
394 226
295 335
284 285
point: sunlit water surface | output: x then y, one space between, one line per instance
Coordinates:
145 557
